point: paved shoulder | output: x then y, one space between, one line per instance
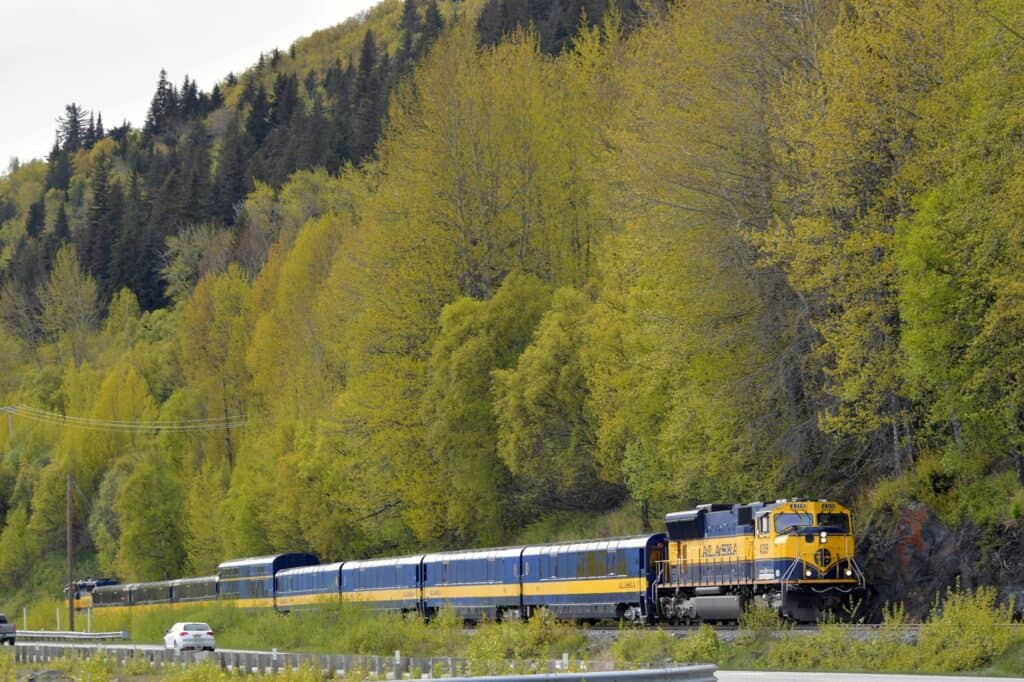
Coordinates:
750 676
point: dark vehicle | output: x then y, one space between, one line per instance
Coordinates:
7 630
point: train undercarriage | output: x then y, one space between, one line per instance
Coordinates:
684 606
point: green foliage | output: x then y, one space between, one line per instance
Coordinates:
545 436
758 621
541 638
637 648
965 630
149 504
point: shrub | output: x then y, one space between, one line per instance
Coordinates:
635 648
965 631
700 646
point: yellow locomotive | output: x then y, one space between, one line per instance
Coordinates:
794 555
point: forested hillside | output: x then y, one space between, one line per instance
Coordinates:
433 279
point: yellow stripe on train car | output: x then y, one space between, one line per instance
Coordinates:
403 594
591 586
262 603
306 599
467 591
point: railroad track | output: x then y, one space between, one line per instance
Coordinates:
912 628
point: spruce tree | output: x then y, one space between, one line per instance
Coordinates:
97 238
433 24
35 221
231 182
61 228
366 114
162 108
59 172
71 128
257 124
194 154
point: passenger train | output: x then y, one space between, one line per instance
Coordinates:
795 556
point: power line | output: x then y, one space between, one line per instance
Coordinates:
123 426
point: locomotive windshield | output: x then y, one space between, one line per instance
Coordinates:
788 522
836 523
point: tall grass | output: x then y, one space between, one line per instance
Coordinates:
965 631
635 648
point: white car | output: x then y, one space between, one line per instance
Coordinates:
183 636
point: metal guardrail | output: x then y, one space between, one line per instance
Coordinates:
372 667
68 636
690 673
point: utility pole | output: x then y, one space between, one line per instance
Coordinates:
71 584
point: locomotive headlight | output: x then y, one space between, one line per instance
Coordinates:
808 573
849 573
824 537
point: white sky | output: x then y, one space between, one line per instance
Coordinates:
106 55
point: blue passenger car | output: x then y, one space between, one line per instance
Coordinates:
250 582
383 584
593 580
308 586
474 583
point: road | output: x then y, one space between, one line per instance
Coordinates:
744 676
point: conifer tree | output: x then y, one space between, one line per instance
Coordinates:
71 128
36 219
196 186
162 109
257 123
231 182
61 233
59 170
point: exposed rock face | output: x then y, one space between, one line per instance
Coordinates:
919 556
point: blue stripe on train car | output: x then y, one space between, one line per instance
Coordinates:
761 570
308 586
250 581
598 579
383 584
476 584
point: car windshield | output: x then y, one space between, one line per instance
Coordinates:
195 627
788 522
3 618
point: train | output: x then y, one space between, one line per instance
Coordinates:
794 556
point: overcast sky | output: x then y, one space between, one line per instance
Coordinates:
106 55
